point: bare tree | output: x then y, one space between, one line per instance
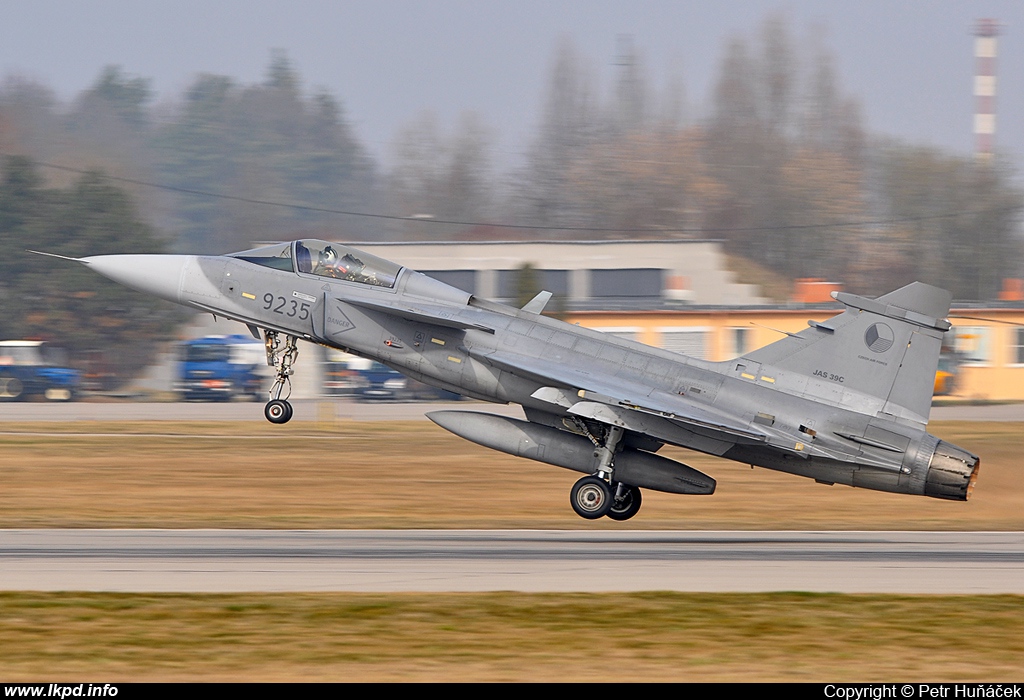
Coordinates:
441 176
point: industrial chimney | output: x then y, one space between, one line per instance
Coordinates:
985 33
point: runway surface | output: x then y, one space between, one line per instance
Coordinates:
510 560
305 410
343 410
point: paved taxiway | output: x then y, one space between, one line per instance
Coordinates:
306 410
493 560
343 410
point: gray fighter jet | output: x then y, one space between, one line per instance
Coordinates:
845 401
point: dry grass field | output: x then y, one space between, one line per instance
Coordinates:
415 475
510 637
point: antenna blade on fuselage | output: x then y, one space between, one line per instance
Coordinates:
537 304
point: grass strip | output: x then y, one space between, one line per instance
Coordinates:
415 475
510 637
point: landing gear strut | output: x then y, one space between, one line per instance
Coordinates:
596 496
281 357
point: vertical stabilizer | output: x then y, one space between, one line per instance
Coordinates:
887 347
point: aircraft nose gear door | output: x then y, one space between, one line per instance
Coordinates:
278 410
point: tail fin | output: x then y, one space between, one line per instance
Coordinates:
887 347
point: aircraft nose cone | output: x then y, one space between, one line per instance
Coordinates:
159 275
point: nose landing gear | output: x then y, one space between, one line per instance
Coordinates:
278 411
281 357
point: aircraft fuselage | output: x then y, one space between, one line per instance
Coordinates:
580 381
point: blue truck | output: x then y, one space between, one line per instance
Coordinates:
222 368
34 368
366 380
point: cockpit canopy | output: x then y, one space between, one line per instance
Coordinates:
313 257
277 256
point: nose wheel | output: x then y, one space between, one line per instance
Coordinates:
280 356
278 411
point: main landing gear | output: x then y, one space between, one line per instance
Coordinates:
280 356
592 497
596 496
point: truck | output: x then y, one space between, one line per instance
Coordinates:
381 383
343 373
362 379
222 368
366 380
34 368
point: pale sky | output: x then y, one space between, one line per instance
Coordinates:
910 62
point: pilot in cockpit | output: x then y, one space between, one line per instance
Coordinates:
351 266
326 263
346 267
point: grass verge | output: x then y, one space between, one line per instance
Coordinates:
511 637
415 475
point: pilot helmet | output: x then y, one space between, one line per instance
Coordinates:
328 256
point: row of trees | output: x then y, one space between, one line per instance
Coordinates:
243 144
781 167
61 301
